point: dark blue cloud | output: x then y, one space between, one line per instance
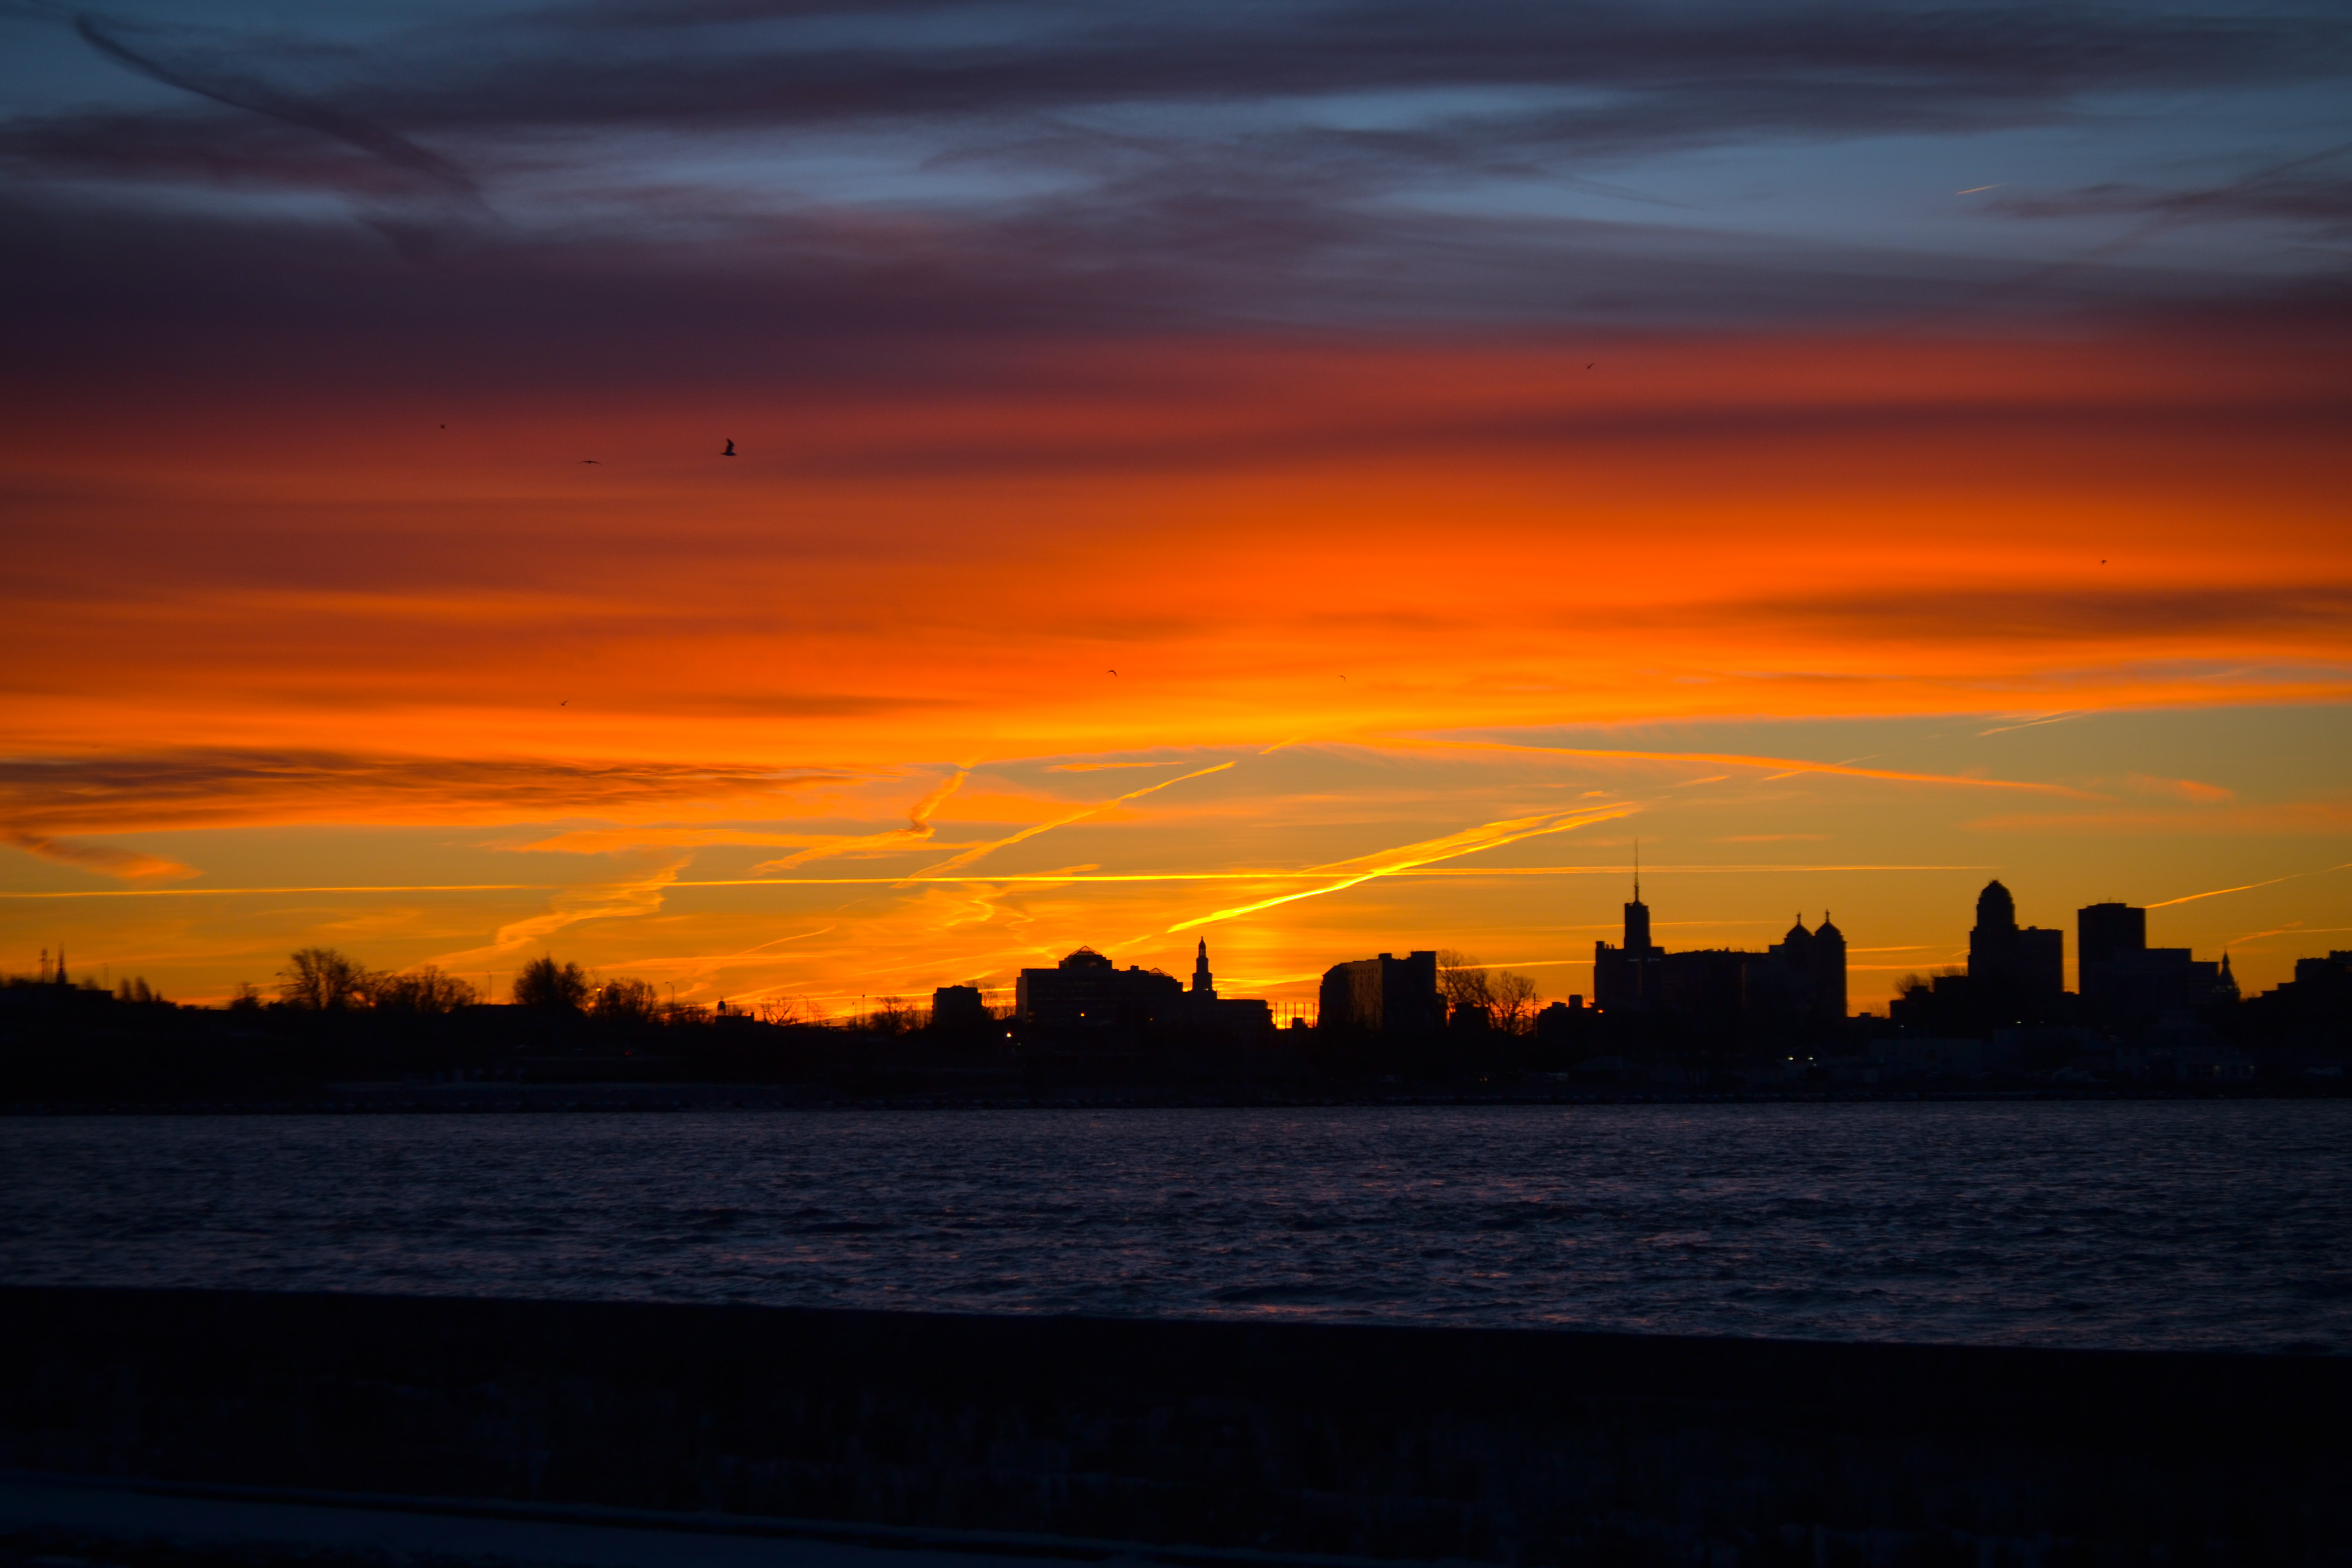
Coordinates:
699 174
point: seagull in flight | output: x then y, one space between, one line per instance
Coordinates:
590 462
1114 672
730 448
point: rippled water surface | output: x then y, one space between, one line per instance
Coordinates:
2153 1225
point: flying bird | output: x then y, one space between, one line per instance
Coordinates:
590 460
1591 365
730 448
1114 672
565 703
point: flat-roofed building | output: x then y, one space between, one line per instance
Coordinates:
1394 997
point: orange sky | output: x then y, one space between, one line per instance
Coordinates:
273 616
1474 438
1470 535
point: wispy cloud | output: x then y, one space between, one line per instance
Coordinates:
620 899
129 864
2189 790
227 788
917 830
1124 162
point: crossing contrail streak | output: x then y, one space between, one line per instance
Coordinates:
1388 863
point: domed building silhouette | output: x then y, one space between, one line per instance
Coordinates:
2015 970
1798 982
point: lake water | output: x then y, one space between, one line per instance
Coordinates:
2154 1224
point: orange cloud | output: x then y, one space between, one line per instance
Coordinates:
220 788
2181 789
1290 550
129 864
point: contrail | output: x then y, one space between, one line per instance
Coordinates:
2247 886
959 861
918 828
2032 724
805 847
640 895
1491 835
1788 766
258 97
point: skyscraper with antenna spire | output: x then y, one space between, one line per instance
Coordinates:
1626 979
1799 982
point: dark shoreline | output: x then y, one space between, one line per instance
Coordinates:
1266 1439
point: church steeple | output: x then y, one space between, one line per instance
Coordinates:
1204 983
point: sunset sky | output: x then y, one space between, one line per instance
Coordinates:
1321 478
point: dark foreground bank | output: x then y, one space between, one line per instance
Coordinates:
1497 1445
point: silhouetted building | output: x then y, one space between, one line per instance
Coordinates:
1396 998
2314 1008
1799 981
959 1010
2124 981
2014 972
2104 933
1626 979
1233 1018
1561 1023
1086 994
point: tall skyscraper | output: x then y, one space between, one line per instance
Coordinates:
1626 979
2013 969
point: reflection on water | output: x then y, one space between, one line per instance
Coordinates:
2150 1224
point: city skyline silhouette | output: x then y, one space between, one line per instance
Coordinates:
775 500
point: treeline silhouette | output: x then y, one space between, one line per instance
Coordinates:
329 1018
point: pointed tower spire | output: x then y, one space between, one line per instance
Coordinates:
1637 913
